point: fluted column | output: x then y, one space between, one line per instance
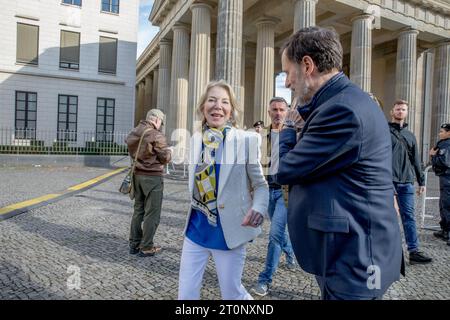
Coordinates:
305 14
140 103
361 51
164 77
229 43
212 64
406 73
155 88
180 76
148 93
264 77
200 57
441 84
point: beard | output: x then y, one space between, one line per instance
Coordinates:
303 96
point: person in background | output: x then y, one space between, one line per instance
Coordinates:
440 159
406 167
153 154
258 126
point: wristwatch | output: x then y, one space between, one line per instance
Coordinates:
289 124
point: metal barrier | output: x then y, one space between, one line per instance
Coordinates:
425 198
32 141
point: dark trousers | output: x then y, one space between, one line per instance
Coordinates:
329 294
444 202
147 210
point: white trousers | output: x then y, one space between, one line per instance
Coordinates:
229 267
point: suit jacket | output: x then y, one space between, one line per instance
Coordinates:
341 216
241 183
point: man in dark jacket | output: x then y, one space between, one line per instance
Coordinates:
440 158
153 154
341 217
406 166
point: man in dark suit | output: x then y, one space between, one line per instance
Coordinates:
341 216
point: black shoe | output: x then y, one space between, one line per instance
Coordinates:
441 235
448 238
418 257
134 250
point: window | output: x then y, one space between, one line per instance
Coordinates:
105 119
107 55
73 2
26 105
110 6
27 43
67 117
69 53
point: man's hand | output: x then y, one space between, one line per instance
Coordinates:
433 152
421 190
156 122
294 117
252 219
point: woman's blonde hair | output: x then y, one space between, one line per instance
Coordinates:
235 108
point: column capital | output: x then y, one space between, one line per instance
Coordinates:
407 30
266 20
202 4
295 1
441 43
165 42
181 26
362 16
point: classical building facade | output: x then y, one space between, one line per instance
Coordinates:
395 49
67 67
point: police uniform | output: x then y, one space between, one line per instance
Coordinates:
441 167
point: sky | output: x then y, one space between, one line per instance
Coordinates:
147 32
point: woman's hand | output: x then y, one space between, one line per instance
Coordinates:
252 219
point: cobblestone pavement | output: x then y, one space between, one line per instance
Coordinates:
41 250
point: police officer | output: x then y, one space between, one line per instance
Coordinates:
440 159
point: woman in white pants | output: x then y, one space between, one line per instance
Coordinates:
229 196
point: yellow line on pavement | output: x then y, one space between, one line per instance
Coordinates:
95 180
27 203
24 204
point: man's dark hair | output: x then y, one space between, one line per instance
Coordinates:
321 44
278 99
400 101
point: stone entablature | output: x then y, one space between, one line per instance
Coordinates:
148 59
423 13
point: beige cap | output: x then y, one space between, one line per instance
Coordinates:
156 113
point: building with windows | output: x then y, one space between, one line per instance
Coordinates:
67 67
395 49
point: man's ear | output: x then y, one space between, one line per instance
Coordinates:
309 65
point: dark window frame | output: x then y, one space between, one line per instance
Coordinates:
29 133
72 3
104 132
66 131
37 47
70 66
99 55
110 6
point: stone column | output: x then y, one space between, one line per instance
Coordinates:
180 78
164 74
406 73
140 103
229 43
200 58
242 93
361 51
305 14
148 94
441 84
212 64
264 77
155 88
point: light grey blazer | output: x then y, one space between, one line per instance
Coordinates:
241 183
